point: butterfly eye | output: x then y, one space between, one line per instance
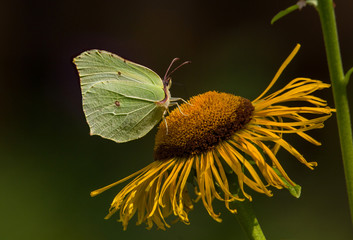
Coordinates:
169 82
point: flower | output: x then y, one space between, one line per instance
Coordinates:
220 142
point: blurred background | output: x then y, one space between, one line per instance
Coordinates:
49 163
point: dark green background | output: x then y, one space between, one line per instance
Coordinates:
49 163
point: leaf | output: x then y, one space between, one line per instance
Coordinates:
295 190
348 75
284 13
312 2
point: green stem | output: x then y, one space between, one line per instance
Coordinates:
248 220
328 23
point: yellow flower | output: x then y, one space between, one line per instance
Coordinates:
220 142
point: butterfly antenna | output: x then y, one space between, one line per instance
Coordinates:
170 65
167 74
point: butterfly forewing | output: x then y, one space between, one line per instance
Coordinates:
97 65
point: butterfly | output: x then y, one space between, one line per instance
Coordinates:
122 100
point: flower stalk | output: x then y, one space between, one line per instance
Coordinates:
339 83
248 221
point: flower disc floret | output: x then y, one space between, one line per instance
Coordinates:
200 124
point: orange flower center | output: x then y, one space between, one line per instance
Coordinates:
201 124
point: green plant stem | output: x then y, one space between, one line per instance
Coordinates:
248 220
328 23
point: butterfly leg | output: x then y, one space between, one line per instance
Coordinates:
172 99
175 103
180 110
166 124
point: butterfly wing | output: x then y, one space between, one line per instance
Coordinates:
119 97
98 65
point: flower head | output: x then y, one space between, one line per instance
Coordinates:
220 143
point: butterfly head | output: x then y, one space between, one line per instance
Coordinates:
168 83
